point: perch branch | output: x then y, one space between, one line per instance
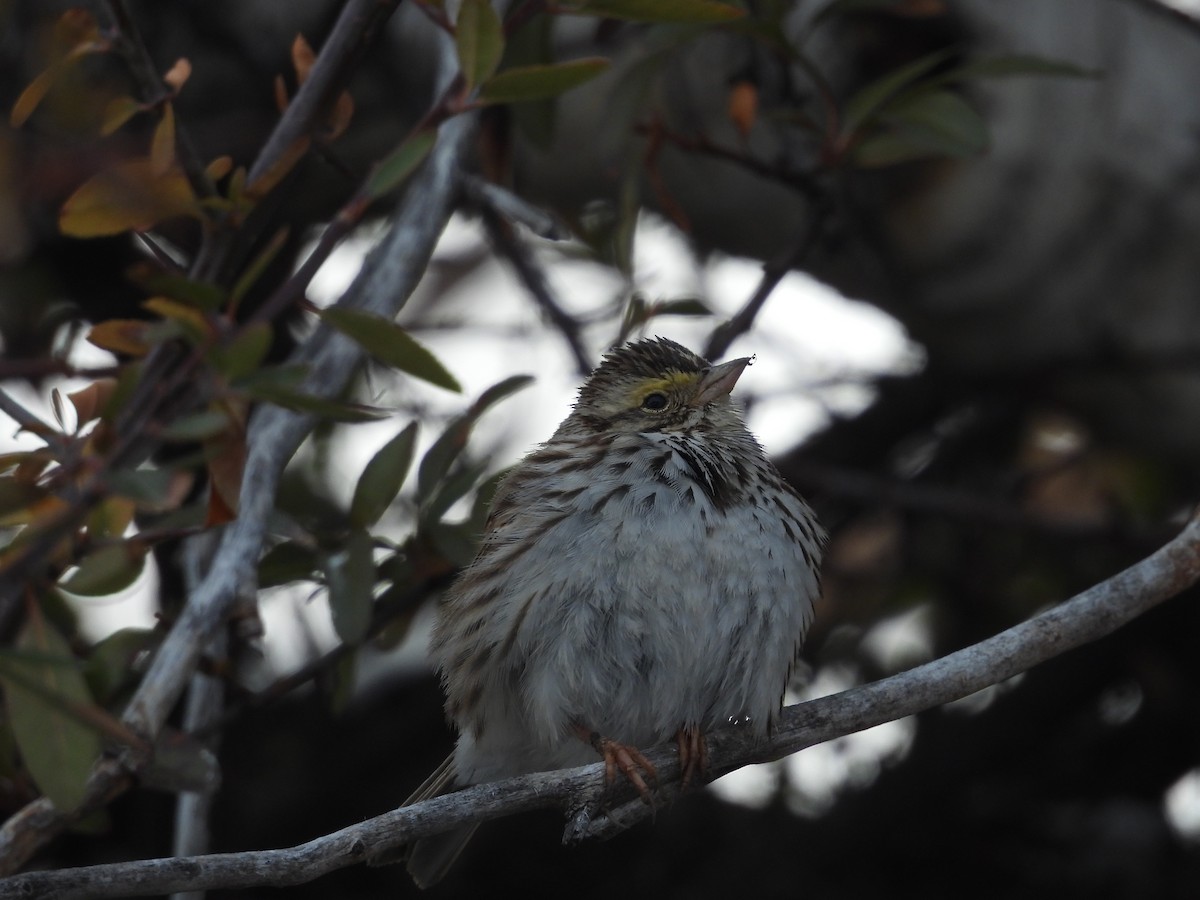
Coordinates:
1088 616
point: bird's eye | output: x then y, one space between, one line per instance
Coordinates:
654 401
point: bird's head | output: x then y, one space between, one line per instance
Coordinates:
658 385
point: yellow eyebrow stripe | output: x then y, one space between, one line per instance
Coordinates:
673 381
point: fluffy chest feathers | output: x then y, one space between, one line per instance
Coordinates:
662 586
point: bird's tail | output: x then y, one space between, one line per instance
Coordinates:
430 858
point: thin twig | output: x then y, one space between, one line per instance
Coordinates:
533 276
26 419
205 703
873 490
1088 616
773 273
387 609
153 91
801 182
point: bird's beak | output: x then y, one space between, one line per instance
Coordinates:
718 381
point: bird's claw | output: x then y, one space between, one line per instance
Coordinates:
693 755
626 759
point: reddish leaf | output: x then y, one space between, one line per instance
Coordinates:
743 106
303 58
90 401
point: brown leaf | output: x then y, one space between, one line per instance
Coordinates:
192 319
303 58
219 167
743 107
226 464
33 94
131 195
162 148
120 336
117 112
218 511
75 26
89 402
276 172
340 116
281 94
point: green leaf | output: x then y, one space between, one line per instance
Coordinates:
340 682
321 407
146 487
532 45
446 449
108 570
58 749
287 562
200 294
400 163
244 353
127 380
382 478
451 490
351 577
18 493
286 376
697 12
1018 65
258 265
390 344
684 306
479 39
937 124
110 667
458 543
196 426
865 104
539 82
484 497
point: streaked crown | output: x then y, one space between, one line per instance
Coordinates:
657 385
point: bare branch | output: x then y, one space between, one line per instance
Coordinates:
1096 612
773 272
25 418
533 276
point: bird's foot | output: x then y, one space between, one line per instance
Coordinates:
623 758
693 755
